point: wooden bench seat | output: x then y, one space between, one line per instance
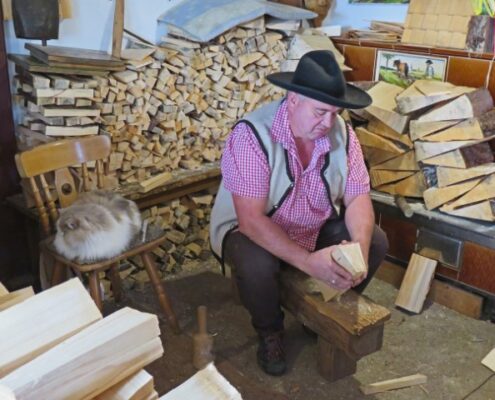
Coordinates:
348 328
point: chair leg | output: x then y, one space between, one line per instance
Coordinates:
150 266
57 273
113 273
94 288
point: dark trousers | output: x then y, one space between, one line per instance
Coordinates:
257 271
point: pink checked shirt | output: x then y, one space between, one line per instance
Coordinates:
246 173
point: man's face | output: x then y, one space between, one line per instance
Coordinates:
310 119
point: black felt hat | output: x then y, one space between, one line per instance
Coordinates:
318 76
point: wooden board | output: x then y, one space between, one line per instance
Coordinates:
33 65
16 297
404 162
448 176
392 384
40 322
93 360
416 283
452 297
435 197
483 191
489 360
72 55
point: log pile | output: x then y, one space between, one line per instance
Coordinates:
167 110
185 222
449 131
49 350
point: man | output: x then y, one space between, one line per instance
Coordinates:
290 169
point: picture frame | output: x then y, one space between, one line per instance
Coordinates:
402 69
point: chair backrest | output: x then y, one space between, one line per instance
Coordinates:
57 157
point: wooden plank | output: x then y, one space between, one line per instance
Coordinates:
72 55
67 93
31 64
404 162
416 283
67 131
435 197
483 191
93 360
448 176
393 384
16 297
136 387
40 322
452 297
489 360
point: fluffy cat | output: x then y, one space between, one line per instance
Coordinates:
98 225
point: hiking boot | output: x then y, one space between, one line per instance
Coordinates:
271 355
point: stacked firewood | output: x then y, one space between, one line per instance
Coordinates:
433 140
185 222
52 351
171 109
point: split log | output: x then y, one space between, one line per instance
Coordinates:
465 157
485 190
416 283
470 105
418 129
413 186
448 176
375 156
425 150
378 127
392 384
136 387
484 211
381 177
384 94
394 120
404 162
370 139
435 197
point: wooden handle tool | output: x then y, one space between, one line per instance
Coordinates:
202 342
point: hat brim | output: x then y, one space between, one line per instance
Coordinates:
354 97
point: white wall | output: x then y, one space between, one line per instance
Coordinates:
358 16
92 23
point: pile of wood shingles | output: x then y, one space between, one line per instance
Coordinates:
171 109
56 345
433 140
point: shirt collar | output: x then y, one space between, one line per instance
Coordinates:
281 132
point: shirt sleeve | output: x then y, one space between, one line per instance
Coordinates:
358 180
245 168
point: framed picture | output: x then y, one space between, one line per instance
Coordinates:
403 69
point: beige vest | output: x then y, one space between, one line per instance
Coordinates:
334 173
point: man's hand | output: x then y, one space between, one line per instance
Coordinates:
320 265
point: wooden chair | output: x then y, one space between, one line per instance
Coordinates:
56 157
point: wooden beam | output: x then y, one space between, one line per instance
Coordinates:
118 28
393 384
416 283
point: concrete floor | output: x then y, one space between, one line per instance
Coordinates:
445 346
